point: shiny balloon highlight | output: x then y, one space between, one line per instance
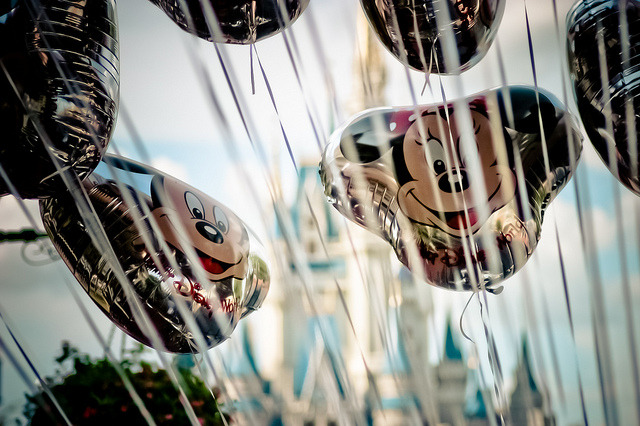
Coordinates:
185 255
459 212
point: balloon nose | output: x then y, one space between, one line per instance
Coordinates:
209 232
460 181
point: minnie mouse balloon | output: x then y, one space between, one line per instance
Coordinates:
240 21
404 174
59 90
605 103
409 30
159 228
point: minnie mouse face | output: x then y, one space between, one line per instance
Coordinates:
428 196
218 236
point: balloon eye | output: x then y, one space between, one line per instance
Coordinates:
435 156
439 166
194 205
222 223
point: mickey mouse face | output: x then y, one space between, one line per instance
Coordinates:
218 236
441 192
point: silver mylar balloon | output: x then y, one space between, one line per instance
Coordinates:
409 28
59 89
241 21
602 104
232 279
406 177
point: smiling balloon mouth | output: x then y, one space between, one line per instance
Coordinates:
211 265
458 220
455 220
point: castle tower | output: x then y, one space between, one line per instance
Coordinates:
451 381
527 400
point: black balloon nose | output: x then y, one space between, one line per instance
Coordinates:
209 232
460 181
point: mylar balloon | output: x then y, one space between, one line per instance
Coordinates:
410 31
405 174
59 90
241 21
608 99
160 228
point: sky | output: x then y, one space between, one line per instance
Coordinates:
165 102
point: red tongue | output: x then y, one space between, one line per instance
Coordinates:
211 265
458 220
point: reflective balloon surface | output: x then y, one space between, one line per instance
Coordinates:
615 101
405 175
410 32
59 89
241 21
176 245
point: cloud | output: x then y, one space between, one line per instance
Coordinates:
171 167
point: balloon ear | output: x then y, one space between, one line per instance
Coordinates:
157 187
370 138
364 147
527 109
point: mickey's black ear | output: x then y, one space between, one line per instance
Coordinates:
528 109
367 139
157 188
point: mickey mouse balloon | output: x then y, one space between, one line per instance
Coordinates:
59 90
609 108
409 30
407 175
178 247
240 21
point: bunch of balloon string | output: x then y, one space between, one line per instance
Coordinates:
447 261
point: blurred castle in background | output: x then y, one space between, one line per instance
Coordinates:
322 379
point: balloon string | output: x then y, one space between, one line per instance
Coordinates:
630 116
545 152
464 311
253 80
553 348
494 359
275 108
43 383
570 316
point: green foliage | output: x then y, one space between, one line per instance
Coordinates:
94 394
